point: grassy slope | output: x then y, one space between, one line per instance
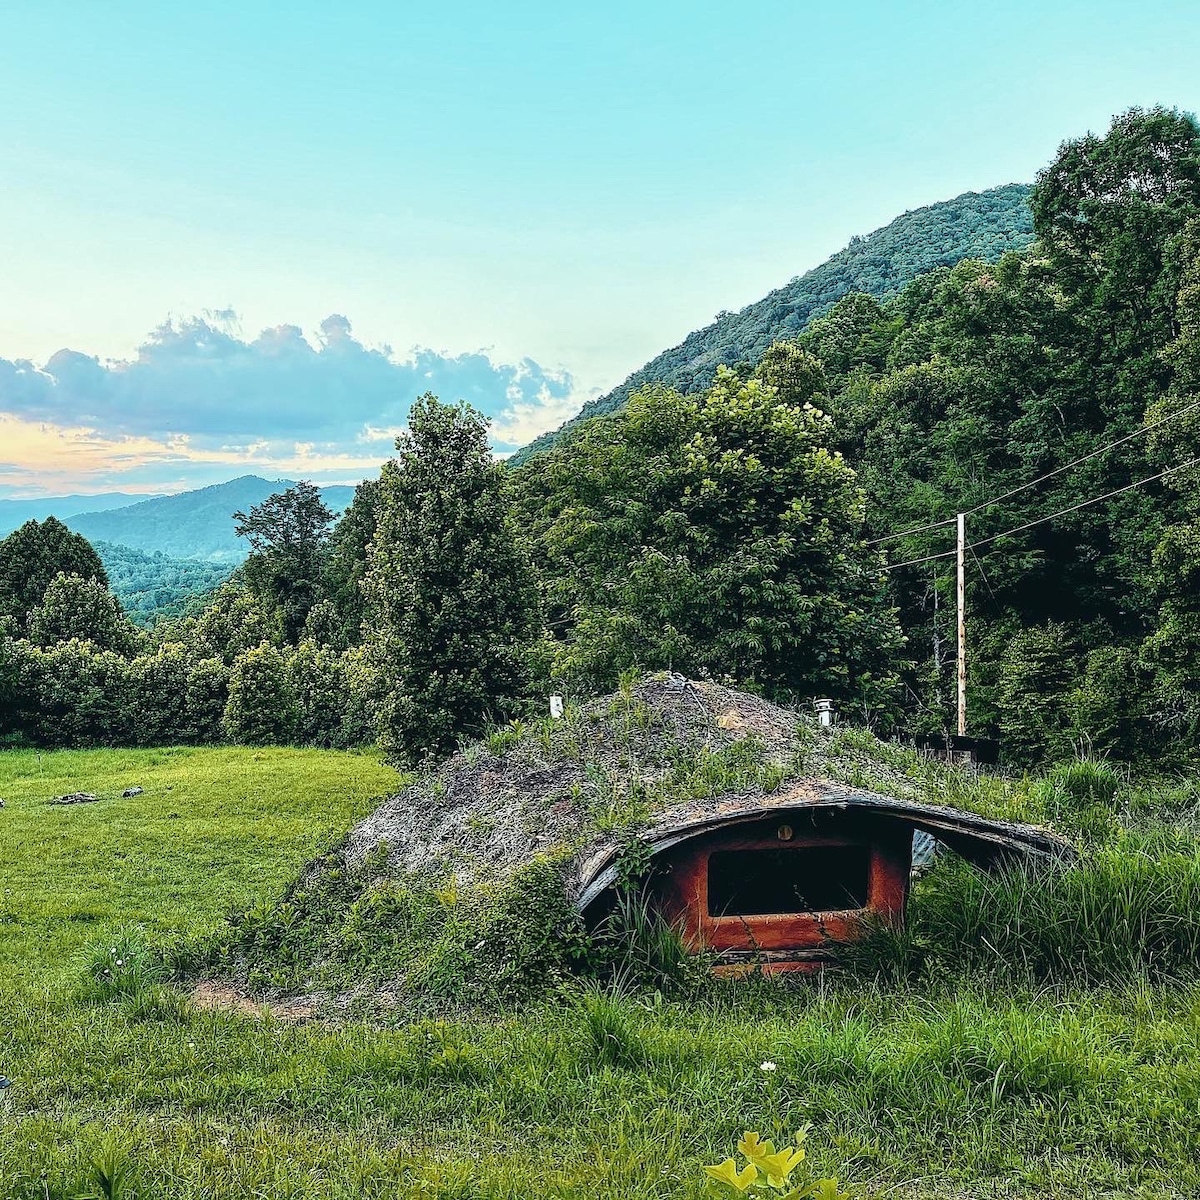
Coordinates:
953 1093
212 827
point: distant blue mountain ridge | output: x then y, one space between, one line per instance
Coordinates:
195 525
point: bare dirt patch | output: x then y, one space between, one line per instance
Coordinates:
212 995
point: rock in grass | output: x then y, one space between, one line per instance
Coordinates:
75 798
131 791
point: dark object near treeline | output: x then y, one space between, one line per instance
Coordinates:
952 748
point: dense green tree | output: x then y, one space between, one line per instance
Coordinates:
206 698
74 607
71 694
262 708
315 675
288 533
715 534
346 566
30 557
452 600
1172 651
232 623
155 697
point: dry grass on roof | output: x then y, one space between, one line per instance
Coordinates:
616 763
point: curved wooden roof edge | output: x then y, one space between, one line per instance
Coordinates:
981 840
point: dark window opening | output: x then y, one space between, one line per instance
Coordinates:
747 883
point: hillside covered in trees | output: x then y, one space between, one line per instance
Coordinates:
787 528
153 587
976 225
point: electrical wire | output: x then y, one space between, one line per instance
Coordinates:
912 562
1042 520
1085 503
1141 429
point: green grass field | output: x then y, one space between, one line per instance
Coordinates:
959 1090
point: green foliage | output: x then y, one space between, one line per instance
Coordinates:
316 677
715 535
154 587
436 943
1080 797
30 559
974 225
82 609
452 601
288 533
346 563
1033 682
262 708
231 624
156 697
70 694
1129 910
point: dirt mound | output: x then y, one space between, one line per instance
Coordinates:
555 784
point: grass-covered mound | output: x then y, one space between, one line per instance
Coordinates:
461 888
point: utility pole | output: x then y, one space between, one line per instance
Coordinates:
962 625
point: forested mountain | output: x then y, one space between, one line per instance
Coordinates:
192 525
153 587
979 225
14 513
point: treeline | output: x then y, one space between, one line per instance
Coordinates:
743 532
978 380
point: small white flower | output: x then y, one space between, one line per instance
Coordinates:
120 963
767 1066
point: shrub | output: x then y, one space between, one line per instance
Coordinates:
262 708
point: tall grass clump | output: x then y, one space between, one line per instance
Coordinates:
640 949
121 963
1081 798
1128 911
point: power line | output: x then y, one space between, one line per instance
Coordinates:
912 562
891 537
1042 479
1084 504
1042 520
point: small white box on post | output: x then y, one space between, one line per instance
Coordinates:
824 712
556 707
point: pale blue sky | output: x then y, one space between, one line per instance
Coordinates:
576 185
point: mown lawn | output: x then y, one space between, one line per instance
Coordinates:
949 1091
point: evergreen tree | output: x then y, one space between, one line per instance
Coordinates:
452 601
